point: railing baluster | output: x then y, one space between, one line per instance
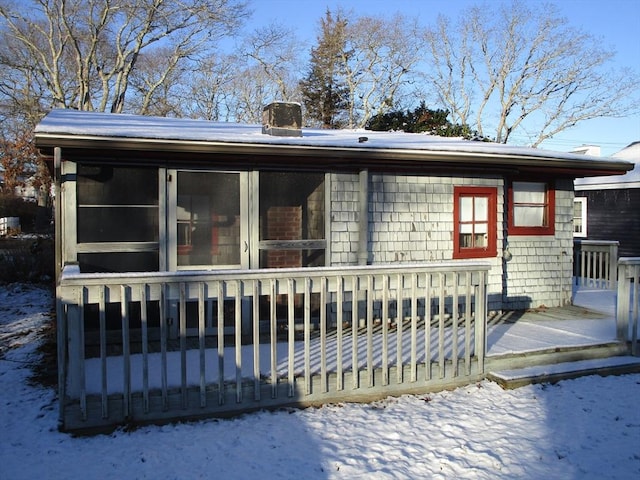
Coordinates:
256 339
273 338
291 336
481 320
323 335
339 327
238 339
454 324
370 329
201 343
414 327
144 319
427 326
82 300
399 329
307 335
183 344
355 320
441 323
467 323
103 350
126 357
220 327
634 321
163 346
385 329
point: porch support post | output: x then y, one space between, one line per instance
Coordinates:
57 210
363 218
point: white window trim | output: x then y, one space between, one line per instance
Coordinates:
583 207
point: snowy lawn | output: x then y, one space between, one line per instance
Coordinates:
587 428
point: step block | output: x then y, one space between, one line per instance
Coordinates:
551 373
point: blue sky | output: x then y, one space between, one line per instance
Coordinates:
616 22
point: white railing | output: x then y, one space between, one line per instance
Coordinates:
141 347
595 263
627 302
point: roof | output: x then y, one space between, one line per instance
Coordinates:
78 130
631 179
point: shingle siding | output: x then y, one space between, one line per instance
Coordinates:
411 221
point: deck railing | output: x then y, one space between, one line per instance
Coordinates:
595 263
145 347
627 302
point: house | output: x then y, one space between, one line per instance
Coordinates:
606 208
378 254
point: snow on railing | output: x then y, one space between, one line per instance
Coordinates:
168 345
595 263
627 303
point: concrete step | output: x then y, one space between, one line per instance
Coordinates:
551 373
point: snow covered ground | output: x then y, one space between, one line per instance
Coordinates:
588 428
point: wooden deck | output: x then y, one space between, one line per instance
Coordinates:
354 359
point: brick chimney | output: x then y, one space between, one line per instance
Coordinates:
282 119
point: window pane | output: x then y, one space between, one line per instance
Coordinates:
117 185
466 240
208 218
466 209
482 209
529 192
117 224
466 228
577 225
528 216
480 240
118 262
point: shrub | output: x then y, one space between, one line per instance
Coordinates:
27 259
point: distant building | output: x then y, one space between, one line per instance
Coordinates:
607 207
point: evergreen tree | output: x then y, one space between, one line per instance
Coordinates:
420 120
324 92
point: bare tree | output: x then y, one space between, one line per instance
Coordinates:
520 69
86 51
276 50
381 64
209 92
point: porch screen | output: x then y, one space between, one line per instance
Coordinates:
117 215
292 218
208 218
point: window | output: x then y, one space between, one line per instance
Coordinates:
292 218
474 212
580 217
532 208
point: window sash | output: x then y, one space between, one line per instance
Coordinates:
475 222
531 208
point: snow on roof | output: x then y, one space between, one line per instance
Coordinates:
79 124
631 179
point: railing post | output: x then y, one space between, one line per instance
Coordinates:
481 320
622 304
613 266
